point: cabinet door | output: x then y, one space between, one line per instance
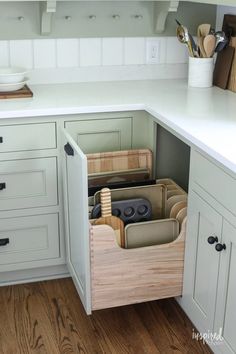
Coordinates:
76 217
226 295
101 135
201 263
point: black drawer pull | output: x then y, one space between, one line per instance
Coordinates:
69 149
4 241
1 139
2 186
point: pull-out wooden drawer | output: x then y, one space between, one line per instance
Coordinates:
28 239
22 137
28 183
126 276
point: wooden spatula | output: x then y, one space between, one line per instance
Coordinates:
107 218
209 44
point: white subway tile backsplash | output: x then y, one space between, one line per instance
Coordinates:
95 59
67 53
21 53
90 52
175 51
4 53
112 51
134 51
44 53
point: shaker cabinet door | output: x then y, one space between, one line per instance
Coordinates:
226 301
76 217
101 135
201 262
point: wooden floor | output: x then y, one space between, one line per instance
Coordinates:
48 318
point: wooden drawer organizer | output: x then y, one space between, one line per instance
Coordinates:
125 276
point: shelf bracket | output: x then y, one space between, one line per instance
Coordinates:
47 9
162 9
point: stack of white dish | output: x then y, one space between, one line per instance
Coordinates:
12 79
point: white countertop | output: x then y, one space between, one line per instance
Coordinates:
205 118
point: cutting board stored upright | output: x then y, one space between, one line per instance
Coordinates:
232 77
229 27
120 161
223 66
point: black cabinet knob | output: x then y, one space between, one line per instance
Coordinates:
1 139
212 239
219 247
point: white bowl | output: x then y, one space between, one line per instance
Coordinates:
12 86
10 75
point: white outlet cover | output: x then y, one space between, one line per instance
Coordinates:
153 51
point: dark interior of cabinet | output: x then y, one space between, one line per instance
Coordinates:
172 158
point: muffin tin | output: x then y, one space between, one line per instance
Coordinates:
130 210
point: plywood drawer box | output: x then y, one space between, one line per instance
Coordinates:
28 183
219 184
22 137
126 276
28 239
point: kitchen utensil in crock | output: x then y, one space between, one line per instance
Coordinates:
183 37
209 44
221 41
203 30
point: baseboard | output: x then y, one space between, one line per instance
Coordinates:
33 275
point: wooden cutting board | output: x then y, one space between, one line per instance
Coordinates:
222 67
120 161
232 77
22 93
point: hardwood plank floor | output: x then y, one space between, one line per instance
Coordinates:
48 318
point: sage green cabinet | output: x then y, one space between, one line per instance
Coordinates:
209 292
201 262
101 135
225 317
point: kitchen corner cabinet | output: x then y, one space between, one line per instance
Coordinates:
104 274
209 292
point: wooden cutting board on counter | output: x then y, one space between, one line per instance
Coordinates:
120 161
22 93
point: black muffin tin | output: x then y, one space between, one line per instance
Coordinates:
130 210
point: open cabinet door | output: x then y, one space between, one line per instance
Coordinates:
75 185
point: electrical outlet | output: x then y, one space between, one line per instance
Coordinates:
153 51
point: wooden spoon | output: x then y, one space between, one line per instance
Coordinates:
209 44
201 47
203 30
107 218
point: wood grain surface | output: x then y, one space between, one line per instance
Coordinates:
126 276
232 78
119 161
22 93
48 318
108 219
